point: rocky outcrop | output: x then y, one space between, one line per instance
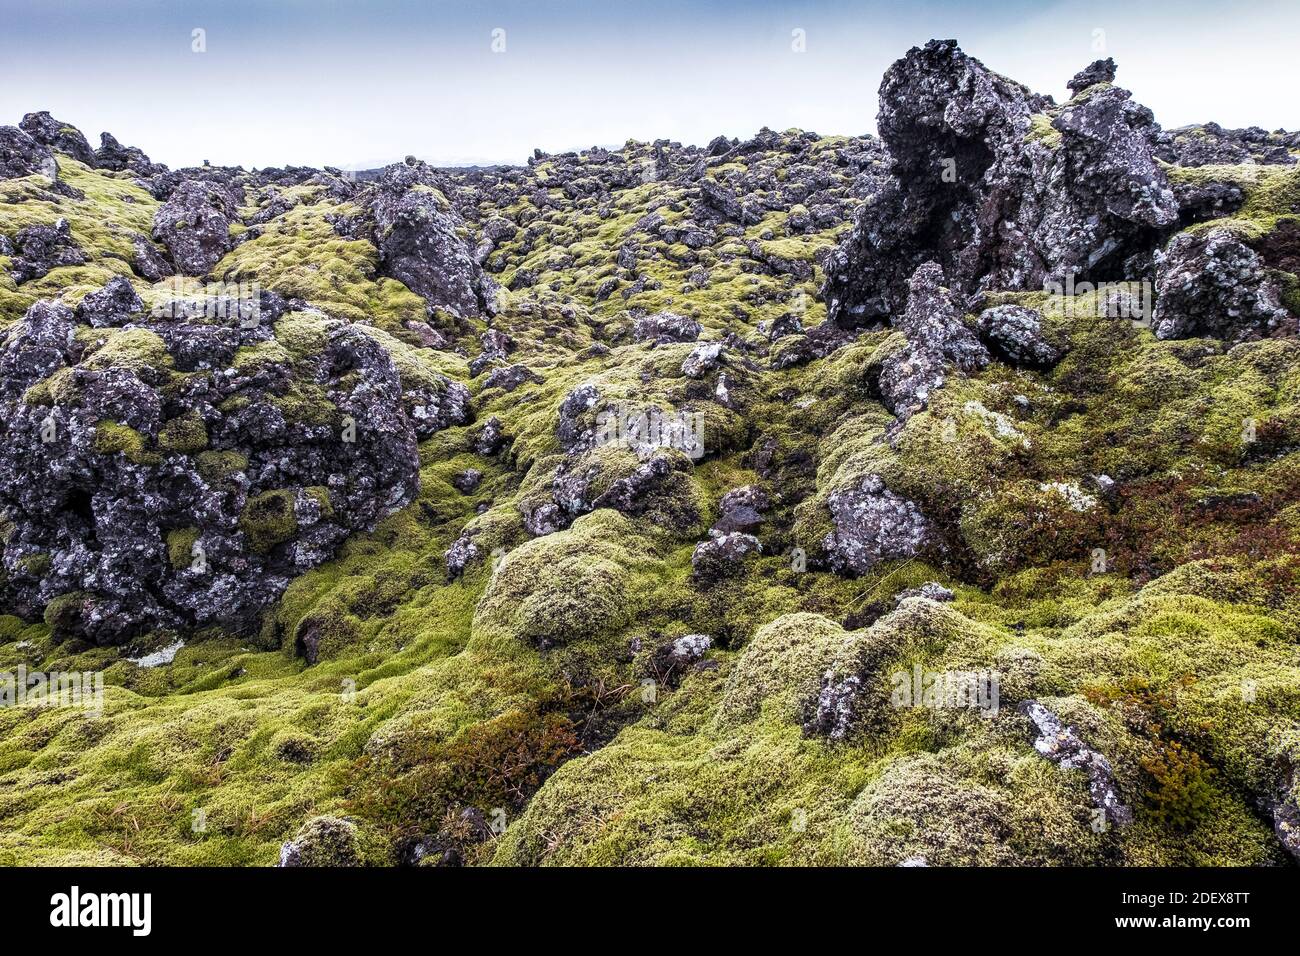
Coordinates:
20 155
1212 284
417 232
937 341
38 249
59 136
1063 746
664 327
1015 334
114 305
723 555
873 524
112 155
194 225
177 499
1000 187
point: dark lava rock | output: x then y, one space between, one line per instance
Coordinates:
20 155
937 339
322 841
170 499
1015 334
999 186
741 509
148 262
1213 284
1098 71
510 377
114 305
491 437
1063 746
873 524
194 224
113 155
722 555
59 136
42 248
466 481
664 327
420 245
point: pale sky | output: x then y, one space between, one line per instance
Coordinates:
353 83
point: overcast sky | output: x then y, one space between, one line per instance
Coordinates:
362 82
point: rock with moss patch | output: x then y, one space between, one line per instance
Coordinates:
1213 284
316 435
39 249
873 524
1063 746
420 245
194 225
1015 333
114 305
323 841
58 135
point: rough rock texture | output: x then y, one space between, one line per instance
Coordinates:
419 244
1062 745
1213 284
58 136
873 524
937 339
20 155
1015 334
491 604
171 499
38 249
114 156
114 305
723 554
1000 187
664 327
194 225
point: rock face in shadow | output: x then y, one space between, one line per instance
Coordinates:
1000 186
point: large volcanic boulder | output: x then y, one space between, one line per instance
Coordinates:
38 249
189 469
418 234
873 524
1212 284
20 155
59 136
194 224
999 186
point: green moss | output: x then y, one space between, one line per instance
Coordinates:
218 466
268 519
186 434
1042 131
180 547
112 438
